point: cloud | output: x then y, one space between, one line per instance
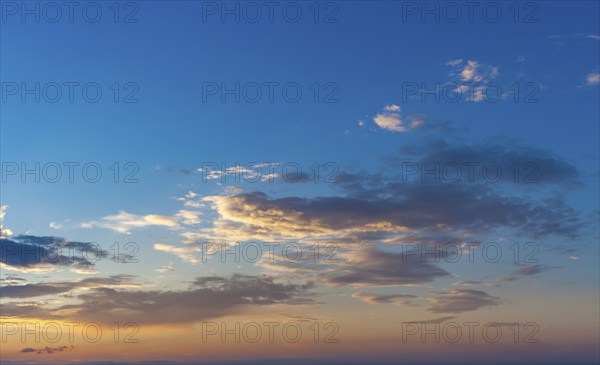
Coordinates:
187 254
392 108
526 270
13 280
252 172
592 78
473 71
529 270
473 76
37 253
536 166
434 320
166 268
45 350
467 283
52 288
55 225
206 298
4 232
124 222
384 211
376 267
454 63
384 299
461 300
392 121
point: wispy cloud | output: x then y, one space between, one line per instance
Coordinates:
124 222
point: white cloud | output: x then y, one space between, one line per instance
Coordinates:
474 71
187 254
454 63
472 76
390 122
55 225
124 222
592 78
249 172
4 232
165 268
392 108
416 122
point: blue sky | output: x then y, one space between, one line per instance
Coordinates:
369 79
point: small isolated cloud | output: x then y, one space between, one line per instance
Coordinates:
392 108
55 225
529 270
526 270
467 283
384 299
392 121
434 320
454 63
592 78
461 300
44 350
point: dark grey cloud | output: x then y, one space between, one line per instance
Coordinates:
375 267
13 279
41 289
461 300
44 350
520 165
528 270
477 209
208 297
31 251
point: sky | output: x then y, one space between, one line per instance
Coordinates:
336 182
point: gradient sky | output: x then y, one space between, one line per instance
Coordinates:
394 95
